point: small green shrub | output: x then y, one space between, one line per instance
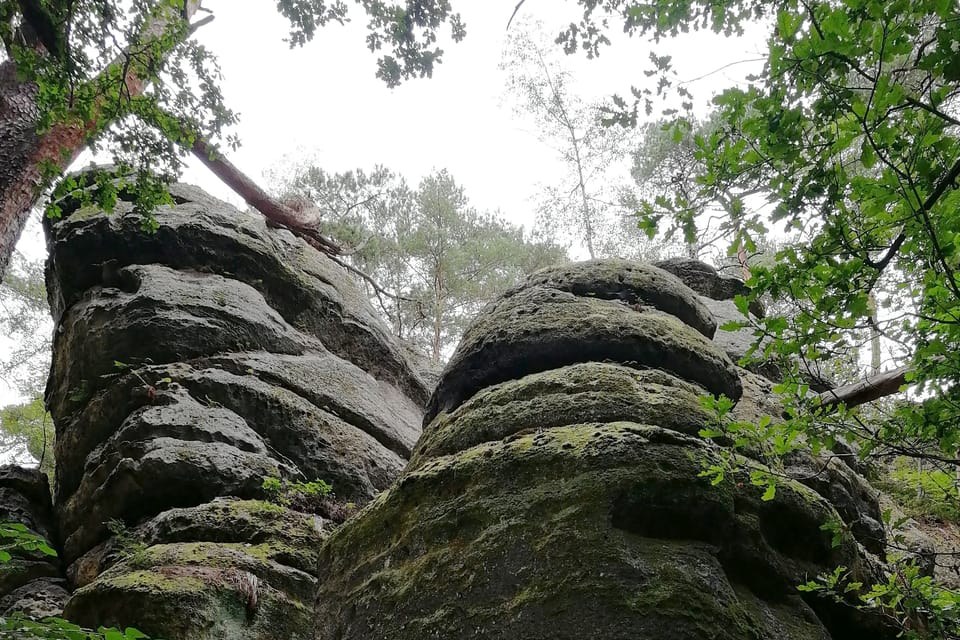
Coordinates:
130 548
309 497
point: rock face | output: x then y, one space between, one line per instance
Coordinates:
190 365
31 582
717 292
557 491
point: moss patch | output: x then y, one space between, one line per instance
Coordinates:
590 530
586 392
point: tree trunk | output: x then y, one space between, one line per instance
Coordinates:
24 152
19 187
875 356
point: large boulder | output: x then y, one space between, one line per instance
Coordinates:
559 492
537 328
190 365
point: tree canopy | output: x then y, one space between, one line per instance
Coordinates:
847 144
127 75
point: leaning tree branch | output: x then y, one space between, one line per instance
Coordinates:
275 211
866 390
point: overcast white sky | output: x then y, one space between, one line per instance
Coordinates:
324 102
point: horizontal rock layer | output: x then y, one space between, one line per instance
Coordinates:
190 365
559 490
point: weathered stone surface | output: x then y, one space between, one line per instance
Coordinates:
737 343
377 408
226 569
537 328
205 234
25 499
703 278
191 444
287 533
312 409
580 393
847 491
40 598
31 582
129 480
633 283
190 365
717 293
593 530
558 493
170 316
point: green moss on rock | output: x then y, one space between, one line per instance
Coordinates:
586 392
199 602
538 329
590 530
631 282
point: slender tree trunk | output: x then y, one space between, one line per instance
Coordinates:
436 329
874 335
564 118
585 211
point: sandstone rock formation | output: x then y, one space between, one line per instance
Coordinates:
190 365
31 582
556 492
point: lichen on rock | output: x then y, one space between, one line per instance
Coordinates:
559 492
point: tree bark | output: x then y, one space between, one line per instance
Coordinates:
24 150
18 146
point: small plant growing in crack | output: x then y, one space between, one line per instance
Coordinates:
315 497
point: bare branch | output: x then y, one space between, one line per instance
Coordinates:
514 14
866 390
275 211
